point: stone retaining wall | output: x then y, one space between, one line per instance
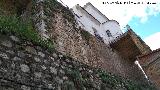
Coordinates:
24 66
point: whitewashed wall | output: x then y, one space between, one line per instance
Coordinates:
87 22
95 13
113 27
99 22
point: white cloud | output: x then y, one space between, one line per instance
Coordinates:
122 13
153 41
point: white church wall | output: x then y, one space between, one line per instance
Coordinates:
114 29
87 21
95 13
102 33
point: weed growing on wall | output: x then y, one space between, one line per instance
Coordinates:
114 82
75 76
85 35
24 30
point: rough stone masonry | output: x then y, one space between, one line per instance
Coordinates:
29 67
72 41
25 66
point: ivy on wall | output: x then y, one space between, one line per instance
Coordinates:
24 30
114 82
82 81
85 35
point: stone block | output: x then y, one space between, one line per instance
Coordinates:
38 74
24 68
41 54
4 55
7 43
14 38
23 87
21 54
31 50
16 59
53 70
37 59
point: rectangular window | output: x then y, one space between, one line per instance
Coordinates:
109 33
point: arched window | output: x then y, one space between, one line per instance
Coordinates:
109 33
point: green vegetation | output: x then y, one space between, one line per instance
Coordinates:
110 81
68 85
68 15
82 81
116 82
24 30
76 77
85 35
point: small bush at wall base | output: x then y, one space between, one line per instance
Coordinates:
68 85
85 35
116 82
24 30
75 76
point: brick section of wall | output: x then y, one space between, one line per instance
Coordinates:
144 60
143 47
151 65
130 45
126 47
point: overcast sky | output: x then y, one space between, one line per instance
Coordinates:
143 18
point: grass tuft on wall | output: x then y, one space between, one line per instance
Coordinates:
23 29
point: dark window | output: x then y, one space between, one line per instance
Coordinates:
109 33
96 34
95 31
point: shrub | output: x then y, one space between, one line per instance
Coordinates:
24 30
85 35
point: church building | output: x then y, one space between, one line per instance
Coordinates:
96 23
